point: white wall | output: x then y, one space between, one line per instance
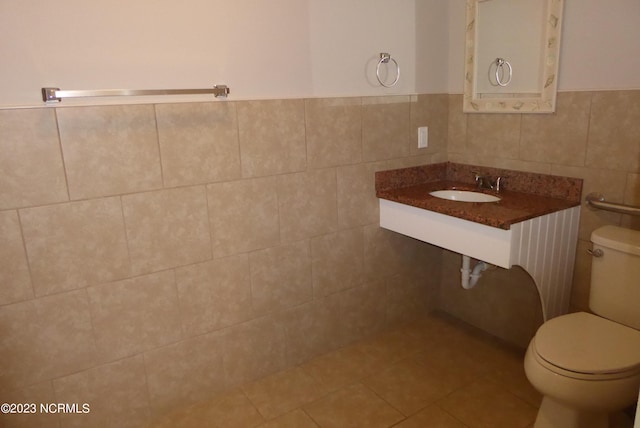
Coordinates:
259 48
281 48
432 46
600 45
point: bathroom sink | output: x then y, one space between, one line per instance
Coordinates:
464 196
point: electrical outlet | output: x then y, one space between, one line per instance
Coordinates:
423 137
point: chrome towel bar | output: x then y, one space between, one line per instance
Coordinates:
596 200
56 95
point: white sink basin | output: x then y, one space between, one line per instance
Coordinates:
464 196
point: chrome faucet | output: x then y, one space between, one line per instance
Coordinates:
486 182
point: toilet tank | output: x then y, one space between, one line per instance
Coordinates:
615 275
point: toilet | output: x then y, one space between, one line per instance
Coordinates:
587 365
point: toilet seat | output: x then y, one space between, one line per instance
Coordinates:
585 346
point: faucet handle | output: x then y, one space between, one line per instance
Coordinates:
500 182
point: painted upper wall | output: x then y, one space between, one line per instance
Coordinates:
281 48
260 49
600 45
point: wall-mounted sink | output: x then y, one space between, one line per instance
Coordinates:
535 224
464 196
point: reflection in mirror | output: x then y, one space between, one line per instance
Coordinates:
512 55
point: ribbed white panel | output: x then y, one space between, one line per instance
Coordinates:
545 247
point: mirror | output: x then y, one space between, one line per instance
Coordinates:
512 55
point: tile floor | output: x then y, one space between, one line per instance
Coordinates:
434 372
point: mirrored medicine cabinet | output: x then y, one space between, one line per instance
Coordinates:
511 56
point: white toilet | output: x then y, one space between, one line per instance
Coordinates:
587 366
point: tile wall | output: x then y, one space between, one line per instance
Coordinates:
594 136
155 255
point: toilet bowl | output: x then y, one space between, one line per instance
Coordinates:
587 365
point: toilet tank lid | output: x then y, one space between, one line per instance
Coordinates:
617 238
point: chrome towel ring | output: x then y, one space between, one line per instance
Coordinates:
500 64
384 59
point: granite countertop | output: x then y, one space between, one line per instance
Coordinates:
524 196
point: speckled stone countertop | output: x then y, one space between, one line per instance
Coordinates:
524 195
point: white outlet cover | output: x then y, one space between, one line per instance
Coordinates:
423 137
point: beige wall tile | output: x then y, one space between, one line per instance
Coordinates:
334 131
559 138
632 190
386 125
135 315
388 253
606 181
614 131
75 244
363 310
511 307
109 150
312 328
116 394
31 169
272 137
243 215
432 111
280 277
410 295
44 339
167 228
457 127
198 142
357 202
14 271
185 373
253 350
494 135
308 204
214 294
632 197
337 261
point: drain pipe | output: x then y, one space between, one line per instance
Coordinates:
469 278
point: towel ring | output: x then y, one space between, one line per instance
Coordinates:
384 59
500 63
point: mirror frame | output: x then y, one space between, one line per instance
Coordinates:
546 101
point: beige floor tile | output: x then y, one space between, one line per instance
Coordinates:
353 406
440 372
295 419
391 346
342 367
510 374
486 404
410 386
230 410
432 417
283 392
